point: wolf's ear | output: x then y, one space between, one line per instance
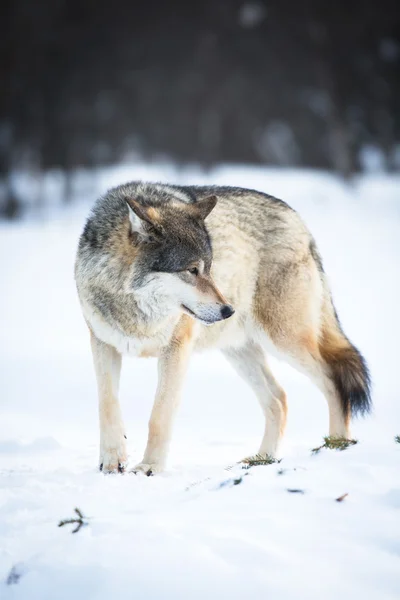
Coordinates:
141 217
202 208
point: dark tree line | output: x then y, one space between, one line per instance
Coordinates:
278 82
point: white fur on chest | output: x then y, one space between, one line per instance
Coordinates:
134 346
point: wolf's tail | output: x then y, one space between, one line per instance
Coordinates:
346 366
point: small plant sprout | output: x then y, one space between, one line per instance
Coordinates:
258 460
334 443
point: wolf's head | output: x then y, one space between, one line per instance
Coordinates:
174 258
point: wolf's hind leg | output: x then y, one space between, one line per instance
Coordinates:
306 357
250 363
172 365
340 371
107 363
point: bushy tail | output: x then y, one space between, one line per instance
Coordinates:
347 368
346 365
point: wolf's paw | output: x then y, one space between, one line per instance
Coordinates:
113 460
148 469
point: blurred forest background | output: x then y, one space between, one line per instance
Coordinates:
309 83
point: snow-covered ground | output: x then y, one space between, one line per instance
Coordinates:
191 533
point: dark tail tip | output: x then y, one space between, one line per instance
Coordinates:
351 377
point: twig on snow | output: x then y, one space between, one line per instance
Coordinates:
341 498
79 521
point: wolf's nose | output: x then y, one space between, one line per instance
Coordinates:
226 311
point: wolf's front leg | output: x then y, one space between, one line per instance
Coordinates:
107 363
172 366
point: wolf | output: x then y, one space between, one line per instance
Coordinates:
167 270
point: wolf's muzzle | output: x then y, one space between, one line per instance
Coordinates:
209 314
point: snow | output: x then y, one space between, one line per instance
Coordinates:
190 532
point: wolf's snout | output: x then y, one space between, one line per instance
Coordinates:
227 311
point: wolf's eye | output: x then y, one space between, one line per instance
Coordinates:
194 271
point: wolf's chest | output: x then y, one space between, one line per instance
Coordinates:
134 345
